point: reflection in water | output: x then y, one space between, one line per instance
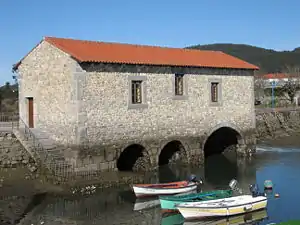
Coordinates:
249 218
142 204
219 170
166 174
103 208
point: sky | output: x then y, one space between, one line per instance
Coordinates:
273 24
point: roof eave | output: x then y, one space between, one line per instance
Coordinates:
253 67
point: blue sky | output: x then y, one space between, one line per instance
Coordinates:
271 24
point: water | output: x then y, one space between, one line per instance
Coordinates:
119 206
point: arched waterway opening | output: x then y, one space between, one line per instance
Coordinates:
170 152
220 140
129 156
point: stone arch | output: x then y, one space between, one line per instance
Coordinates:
133 158
222 137
172 151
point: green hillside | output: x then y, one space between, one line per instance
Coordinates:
8 98
267 59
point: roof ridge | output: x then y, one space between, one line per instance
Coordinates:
129 44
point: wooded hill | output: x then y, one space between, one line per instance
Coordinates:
269 61
8 98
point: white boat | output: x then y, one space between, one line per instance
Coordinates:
146 190
222 207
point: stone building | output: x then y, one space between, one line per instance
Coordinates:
113 104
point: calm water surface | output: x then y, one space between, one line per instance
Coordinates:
119 206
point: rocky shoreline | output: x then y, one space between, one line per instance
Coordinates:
276 124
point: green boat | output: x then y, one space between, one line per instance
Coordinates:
169 202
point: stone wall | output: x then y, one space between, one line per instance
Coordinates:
45 74
109 119
109 124
275 124
12 153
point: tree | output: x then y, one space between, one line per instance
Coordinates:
7 85
292 83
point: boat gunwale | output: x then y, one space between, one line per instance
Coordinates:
167 188
218 207
169 184
192 196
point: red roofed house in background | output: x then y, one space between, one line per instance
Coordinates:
279 78
120 106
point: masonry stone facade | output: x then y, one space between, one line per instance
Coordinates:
87 107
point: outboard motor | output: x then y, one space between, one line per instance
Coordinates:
255 190
193 178
233 184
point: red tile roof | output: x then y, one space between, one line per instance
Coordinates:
92 51
275 76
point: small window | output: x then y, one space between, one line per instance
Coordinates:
179 84
214 91
136 88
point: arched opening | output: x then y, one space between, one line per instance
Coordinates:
129 156
220 140
170 152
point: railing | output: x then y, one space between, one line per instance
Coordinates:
8 117
20 126
40 154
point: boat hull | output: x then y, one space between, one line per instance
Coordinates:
145 191
215 208
169 203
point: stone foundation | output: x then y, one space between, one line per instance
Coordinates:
105 158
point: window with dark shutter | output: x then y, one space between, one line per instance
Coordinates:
179 84
214 92
136 88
